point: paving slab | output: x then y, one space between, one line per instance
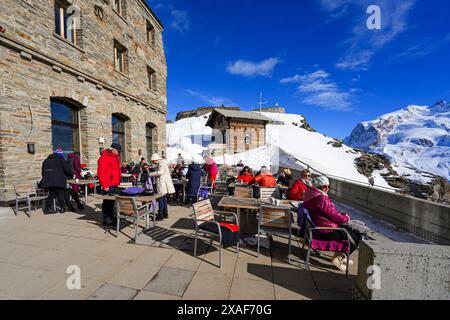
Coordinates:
209 286
170 281
113 292
61 292
148 295
247 289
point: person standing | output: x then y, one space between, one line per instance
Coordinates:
194 176
109 174
164 185
212 171
75 165
55 171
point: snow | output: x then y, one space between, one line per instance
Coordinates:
415 139
287 145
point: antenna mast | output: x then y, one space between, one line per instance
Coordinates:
261 102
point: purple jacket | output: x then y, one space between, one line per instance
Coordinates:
323 212
74 162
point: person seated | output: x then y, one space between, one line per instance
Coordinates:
325 215
177 174
245 176
125 169
259 172
265 179
146 180
284 177
300 186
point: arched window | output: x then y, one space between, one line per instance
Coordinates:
150 136
118 131
65 126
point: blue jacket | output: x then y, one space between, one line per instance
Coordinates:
194 175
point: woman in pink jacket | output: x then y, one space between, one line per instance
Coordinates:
212 171
324 214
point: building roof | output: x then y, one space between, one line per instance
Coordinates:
153 13
245 115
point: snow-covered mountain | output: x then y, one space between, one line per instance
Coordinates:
288 144
417 137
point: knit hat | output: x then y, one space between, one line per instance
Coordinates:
116 146
59 150
321 181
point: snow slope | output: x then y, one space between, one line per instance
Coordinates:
417 137
287 145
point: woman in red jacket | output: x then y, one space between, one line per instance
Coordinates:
109 173
245 176
300 186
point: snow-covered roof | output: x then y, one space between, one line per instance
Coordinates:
237 115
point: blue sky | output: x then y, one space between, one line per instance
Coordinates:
313 57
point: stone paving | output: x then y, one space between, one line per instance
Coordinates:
35 253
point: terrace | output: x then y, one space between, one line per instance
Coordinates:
36 252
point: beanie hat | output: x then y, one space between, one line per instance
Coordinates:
321 181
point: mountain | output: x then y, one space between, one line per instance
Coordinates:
416 140
290 142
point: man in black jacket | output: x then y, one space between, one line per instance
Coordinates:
55 171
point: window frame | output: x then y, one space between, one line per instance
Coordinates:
152 80
122 134
61 17
150 33
74 125
151 147
120 51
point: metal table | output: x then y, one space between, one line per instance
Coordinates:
86 184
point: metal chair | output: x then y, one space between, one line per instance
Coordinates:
266 193
313 244
29 192
127 209
273 220
204 212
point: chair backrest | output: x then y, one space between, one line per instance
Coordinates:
203 210
266 193
273 217
22 188
243 192
307 219
126 206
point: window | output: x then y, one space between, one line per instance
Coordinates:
120 57
67 22
118 131
65 126
119 6
150 136
151 79
151 35
247 139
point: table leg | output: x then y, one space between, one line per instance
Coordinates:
85 193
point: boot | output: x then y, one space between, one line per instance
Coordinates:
72 208
338 261
62 210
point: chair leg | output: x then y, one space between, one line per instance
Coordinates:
258 244
220 253
195 243
136 227
17 206
29 207
307 258
348 266
289 250
118 226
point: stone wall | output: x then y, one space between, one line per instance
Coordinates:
37 65
403 271
424 218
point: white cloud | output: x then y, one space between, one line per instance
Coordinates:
317 88
180 21
424 48
251 69
213 101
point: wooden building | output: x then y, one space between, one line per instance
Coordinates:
236 131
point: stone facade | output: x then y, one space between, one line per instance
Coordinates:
37 65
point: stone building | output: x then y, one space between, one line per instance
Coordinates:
236 131
78 74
